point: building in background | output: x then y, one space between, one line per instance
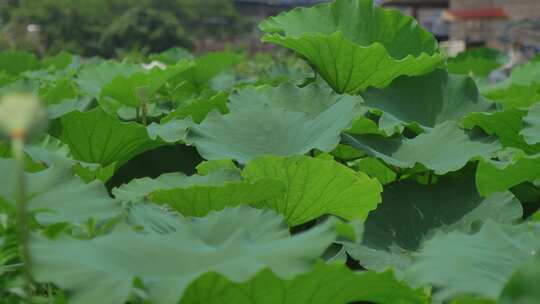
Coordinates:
511 25
508 25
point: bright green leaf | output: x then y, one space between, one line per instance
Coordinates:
376 169
312 99
59 91
515 95
446 148
531 132
506 124
171 131
354 44
206 167
254 131
97 137
316 187
197 195
198 108
206 67
92 77
427 100
512 168
340 286
477 61
126 89
16 62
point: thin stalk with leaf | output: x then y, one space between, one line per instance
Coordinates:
22 117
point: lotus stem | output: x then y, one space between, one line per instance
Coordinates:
17 148
142 93
144 111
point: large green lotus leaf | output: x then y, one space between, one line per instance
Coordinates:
366 125
199 200
353 44
208 166
93 76
254 131
49 151
236 243
171 56
57 195
376 169
479 264
477 61
526 73
522 287
340 286
521 89
506 124
138 189
512 168
312 99
171 131
197 195
61 96
81 104
60 61
206 67
198 108
514 95
58 91
127 89
316 187
427 100
531 132
97 137
444 149
410 213
16 62
151 218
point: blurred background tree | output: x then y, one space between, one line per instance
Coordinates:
111 28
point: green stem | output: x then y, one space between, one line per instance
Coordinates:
50 293
144 111
17 148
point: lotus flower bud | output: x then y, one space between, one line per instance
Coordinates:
22 116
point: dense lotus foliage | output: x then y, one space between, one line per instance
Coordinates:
370 168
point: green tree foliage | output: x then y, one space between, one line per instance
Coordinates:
113 27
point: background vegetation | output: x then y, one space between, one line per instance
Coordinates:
114 27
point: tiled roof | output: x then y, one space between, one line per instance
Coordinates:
486 13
